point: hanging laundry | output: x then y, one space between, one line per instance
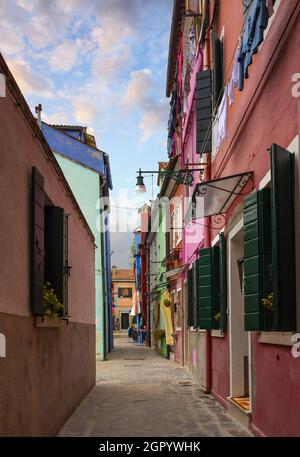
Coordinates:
234 79
256 23
222 120
192 46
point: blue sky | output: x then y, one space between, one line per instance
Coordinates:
101 64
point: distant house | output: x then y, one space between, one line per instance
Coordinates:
87 170
123 291
47 364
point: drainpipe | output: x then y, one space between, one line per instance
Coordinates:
207 237
148 297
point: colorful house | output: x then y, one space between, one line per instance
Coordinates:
123 294
234 115
87 170
49 363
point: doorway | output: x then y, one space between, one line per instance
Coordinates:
240 343
124 321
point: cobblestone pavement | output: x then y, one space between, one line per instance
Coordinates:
138 393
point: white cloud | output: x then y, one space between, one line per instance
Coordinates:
154 117
60 116
30 81
11 39
107 68
85 111
140 83
138 96
63 57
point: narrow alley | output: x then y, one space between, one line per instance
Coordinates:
137 394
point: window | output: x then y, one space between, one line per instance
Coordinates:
191 296
269 250
212 287
49 259
218 70
203 111
124 292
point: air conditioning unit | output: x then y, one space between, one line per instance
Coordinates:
193 8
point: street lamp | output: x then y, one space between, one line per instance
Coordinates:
140 186
184 176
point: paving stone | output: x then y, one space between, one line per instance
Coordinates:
139 393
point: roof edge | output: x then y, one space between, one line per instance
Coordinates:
178 8
22 104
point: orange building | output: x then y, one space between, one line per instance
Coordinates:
123 291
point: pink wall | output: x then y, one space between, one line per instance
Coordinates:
20 151
192 236
47 371
277 397
220 366
263 113
178 346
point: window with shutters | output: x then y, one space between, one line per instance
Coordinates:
49 258
203 96
212 287
269 250
124 292
192 296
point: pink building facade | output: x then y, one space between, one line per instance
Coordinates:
49 365
238 342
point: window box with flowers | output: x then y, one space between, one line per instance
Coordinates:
53 309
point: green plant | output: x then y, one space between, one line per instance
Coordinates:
218 317
268 302
52 306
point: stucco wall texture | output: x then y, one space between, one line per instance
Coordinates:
46 372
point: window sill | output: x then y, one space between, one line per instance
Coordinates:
276 338
49 322
217 333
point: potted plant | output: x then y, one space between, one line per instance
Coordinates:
217 319
52 306
268 311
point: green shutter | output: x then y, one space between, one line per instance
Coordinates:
205 296
223 283
215 273
283 239
257 258
190 298
37 243
195 285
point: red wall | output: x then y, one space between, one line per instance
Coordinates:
276 409
263 113
220 366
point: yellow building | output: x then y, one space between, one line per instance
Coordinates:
123 291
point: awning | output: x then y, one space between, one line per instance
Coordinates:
215 197
170 273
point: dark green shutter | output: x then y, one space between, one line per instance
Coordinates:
205 289
257 258
283 236
223 283
195 284
67 268
37 247
55 247
203 96
190 298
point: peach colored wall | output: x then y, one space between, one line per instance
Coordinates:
20 151
123 302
